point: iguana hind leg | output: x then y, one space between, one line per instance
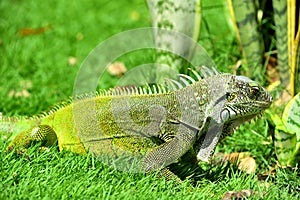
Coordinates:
41 133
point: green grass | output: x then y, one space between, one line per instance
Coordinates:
39 64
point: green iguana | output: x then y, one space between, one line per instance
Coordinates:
158 123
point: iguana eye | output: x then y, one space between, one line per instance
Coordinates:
230 96
254 88
253 92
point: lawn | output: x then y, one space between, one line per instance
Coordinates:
42 45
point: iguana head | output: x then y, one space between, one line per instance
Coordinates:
234 100
244 99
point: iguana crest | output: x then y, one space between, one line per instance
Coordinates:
169 85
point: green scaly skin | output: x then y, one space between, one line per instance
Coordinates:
161 126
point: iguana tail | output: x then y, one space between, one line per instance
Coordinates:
10 126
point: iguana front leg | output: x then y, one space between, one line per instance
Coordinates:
170 151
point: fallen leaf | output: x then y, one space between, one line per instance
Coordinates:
239 194
116 69
31 31
234 157
247 165
72 60
244 161
272 70
22 93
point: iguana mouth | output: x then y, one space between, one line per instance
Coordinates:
263 104
244 110
245 119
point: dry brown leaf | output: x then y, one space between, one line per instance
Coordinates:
116 69
272 70
234 157
274 76
22 93
72 60
245 162
239 194
34 31
247 165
